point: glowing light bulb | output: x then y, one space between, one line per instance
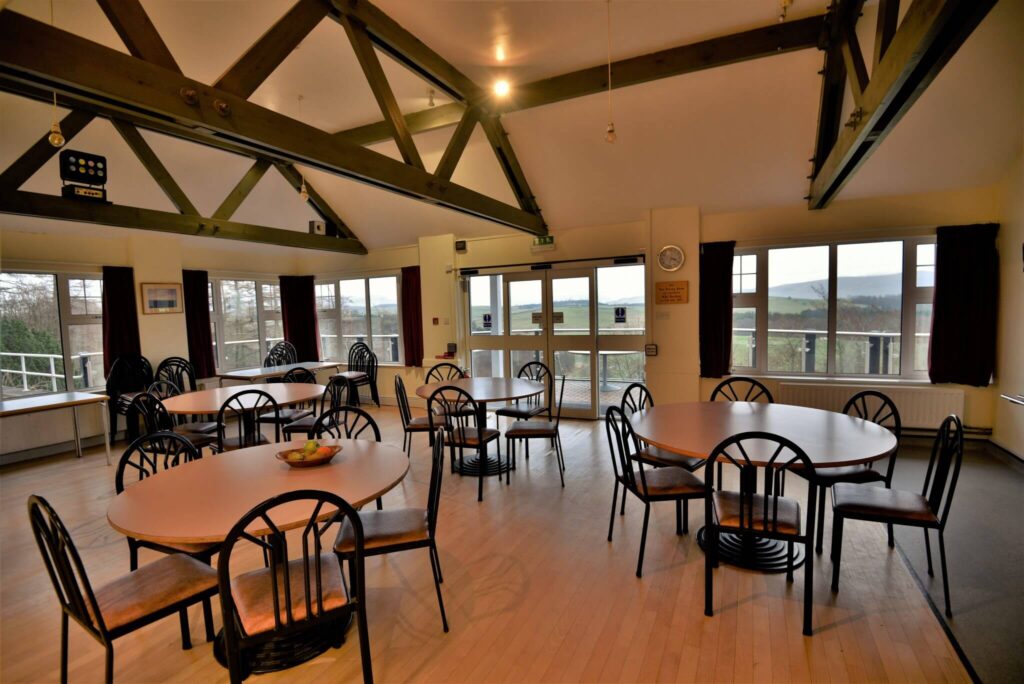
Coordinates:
56 138
502 88
609 135
303 193
499 53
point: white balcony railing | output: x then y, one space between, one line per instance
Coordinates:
20 377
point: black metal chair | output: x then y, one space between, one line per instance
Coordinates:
242 408
155 418
129 375
281 354
403 529
668 483
540 404
525 430
746 513
455 411
440 372
347 422
362 370
291 414
928 510
162 389
337 393
637 398
410 425
178 370
741 388
164 587
301 595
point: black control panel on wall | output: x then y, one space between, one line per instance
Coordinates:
83 167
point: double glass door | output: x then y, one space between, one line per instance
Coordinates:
586 324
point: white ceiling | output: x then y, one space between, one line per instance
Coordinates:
736 137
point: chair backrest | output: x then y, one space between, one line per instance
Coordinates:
944 467
161 389
281 354
636 398
179 371
776 455
403 401
538 371
621 443
306 556
436 471
558 412
153 412
299 375
452 408
339 392
739 388
362 358
64 566
444 371
356 351
877 408
129 373
243 407
151 454
346 422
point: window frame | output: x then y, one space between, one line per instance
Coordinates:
335 311
911 296
217 312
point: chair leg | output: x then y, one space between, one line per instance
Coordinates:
808 589
109 665
509 450
892 541
643 540
380 504
561 462
437 587
679 516
928 551
686 517
945 573
437 563
622 511
719 476
133 556
789 562
63 647
364 645
821 519
208 619
709 573
837 549
615 495
186 637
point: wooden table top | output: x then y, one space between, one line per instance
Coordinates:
47 402
200 502
210 400
275 371
830 439
485 390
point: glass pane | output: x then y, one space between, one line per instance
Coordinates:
620 300
325 296
744 338
575 366
240 327
798 309
273 332
869 295
209 296
352 295
485 305
617 370
328 338
384 313
922 335
520 357
744 273
525 311
31 358
570 306
926 265
86 296
271 297
86 355
486 363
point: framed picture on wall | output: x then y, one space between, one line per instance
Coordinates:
161 298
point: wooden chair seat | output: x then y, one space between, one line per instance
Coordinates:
419 424
254 600
232 443
521 413
385 528
875 503
285 416
857 473
652 455
726 506
671 481
304 425
152 588
531 429
473 437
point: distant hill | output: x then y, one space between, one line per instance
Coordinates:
888 284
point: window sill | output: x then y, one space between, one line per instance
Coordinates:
838 379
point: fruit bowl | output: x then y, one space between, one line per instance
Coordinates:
300 458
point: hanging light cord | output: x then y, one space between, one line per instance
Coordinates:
54 92
608 16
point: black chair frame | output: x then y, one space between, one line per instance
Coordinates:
409 427
281 354
730 389
511 447
248 429
536 406
636 398
459 415
128 375
337 393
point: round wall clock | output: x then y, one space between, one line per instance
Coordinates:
671 258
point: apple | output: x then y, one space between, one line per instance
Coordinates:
323 452
311 446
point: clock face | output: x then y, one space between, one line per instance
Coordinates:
671 258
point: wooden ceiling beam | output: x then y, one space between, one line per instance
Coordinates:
417 122
137 32
315 201
885 29
96 78
457 144
154 166
25 166
498 138
929 35
241 190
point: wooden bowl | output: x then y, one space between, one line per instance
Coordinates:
309 461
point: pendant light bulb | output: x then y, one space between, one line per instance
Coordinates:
303 193
56 138
609 135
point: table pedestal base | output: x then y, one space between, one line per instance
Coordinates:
471 466
753 553
281 654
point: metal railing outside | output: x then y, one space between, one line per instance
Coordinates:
84 374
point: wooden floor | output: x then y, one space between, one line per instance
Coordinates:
534 592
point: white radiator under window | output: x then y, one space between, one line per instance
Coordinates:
919 407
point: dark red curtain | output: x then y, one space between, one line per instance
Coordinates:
195 290
412 316
715 308
965 308
298 313
120 317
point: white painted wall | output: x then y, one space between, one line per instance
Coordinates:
1008 421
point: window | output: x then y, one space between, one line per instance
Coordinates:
245 321
51 333
360 310
834 309
621 300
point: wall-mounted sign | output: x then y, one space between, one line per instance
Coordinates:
537 317
487 321
558 317
672 292
620 314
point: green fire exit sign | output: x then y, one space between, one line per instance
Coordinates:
543 240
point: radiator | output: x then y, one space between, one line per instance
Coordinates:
919 407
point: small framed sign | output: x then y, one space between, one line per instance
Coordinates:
620 314
161 298
487 321
672 292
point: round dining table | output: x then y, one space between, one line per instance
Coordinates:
200 501
830 440
485 391
210 400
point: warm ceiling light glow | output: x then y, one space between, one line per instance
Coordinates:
502 88
499 53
